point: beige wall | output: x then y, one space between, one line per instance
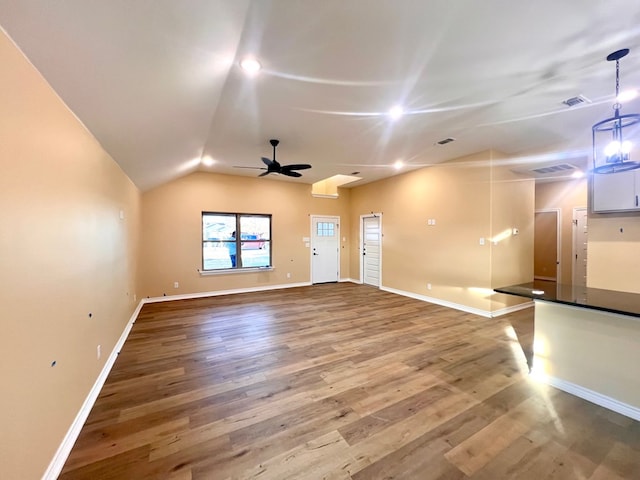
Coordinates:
566 196
467 206
613 255
512 205
468 198
172 228
65 253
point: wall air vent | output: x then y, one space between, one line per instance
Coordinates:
573 101
445 141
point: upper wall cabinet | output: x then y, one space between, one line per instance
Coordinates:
615 192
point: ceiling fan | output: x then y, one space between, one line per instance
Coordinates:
274 167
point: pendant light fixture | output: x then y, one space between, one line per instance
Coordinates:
616 140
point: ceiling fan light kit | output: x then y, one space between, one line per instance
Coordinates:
615 139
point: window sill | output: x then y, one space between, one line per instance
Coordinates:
233 271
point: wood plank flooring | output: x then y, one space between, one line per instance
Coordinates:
339 381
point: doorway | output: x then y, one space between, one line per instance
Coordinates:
546 245
579 247
325 249
370 247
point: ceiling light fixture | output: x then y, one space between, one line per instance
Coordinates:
396 112
612 137
207 161
627 95
398 164
250 65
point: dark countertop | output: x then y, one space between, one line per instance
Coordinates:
613 301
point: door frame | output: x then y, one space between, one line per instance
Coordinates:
574 251
311 219
361 245
558 212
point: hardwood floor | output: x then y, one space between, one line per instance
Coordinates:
339 381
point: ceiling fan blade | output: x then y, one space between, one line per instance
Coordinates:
267 161
297 166
289 173
253 168
264 173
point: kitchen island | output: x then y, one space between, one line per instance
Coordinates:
587 342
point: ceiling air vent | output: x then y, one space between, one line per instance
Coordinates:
573 101
445 141
561 167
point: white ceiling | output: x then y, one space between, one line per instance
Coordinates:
158 83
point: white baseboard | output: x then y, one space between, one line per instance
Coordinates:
438 301
589 395
215 293
459 306
61 455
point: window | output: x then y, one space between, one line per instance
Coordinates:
235 241
325 229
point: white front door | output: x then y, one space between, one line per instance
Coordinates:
325 249
370 248
580 247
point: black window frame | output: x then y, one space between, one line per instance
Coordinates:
239 240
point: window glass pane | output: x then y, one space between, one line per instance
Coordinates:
215 255
325 229
217 227
217 239
255 240
258 226
255 254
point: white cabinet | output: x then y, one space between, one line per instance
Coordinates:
611 192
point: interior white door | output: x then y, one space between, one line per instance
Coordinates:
371 250
580 247
325 249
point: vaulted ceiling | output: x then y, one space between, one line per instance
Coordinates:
158 82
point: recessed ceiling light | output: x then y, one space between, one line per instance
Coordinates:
577 174
398 164
207 161
250 65
396 112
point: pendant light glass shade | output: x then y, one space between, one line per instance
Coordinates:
616 140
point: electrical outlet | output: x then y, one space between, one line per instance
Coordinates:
288 275
99 352
428 286
176 284
481 240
